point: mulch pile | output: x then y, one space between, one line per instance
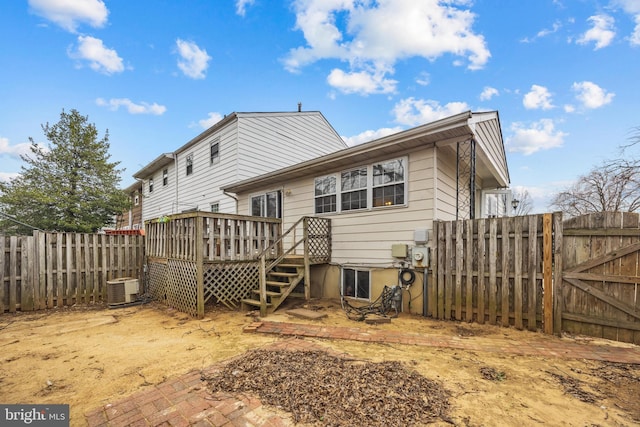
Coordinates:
316 387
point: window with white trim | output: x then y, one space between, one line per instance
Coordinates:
356 283
189 164
353 189
165 177
136 199
150 185
267 204
215 207
388 183
325 194
367 187
214 155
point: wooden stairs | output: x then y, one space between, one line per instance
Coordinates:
281 281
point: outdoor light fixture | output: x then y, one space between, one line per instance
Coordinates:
514 204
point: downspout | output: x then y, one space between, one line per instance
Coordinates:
233 197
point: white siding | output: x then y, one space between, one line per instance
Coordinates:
159 202
251 145
271 141
365 237
446 184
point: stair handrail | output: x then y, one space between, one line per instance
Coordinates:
264 268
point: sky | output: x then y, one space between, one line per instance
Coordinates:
564 75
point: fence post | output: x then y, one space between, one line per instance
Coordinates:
263 286
199 266
3 260
547 277
307 269
557 273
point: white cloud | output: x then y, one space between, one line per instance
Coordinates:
538 98
602 32
370 135
591 95
540 135
568 108
16 150
68 14
424 79
241 6
114 104
211 120
413 112
193 61
634 39
100 58
375 35
488 92
362 82
8 176
544 32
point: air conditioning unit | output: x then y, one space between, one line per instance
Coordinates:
122 290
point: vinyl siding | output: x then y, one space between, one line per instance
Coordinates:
365 237
446 184
488 137
251 145
271 141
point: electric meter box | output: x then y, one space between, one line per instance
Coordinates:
420 257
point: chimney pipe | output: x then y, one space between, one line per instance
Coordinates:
299 107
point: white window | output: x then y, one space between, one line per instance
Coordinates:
353 189
215 207
150 185
356 283
267 205
367 187
325 193
136 199
214 156
388 183
165 176
189 164
496 203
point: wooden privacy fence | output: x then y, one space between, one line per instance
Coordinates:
49 269
600 292
496 270
581 276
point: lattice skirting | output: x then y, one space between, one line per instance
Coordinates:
175 283
230 282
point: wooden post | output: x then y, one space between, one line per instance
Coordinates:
547 276
199 265
307 264
26 276
263 286
557 273
3 260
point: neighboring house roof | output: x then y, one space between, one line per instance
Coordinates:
137 185
446 131
159 162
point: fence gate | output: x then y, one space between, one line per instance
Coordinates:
600 293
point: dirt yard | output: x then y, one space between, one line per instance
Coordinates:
90 356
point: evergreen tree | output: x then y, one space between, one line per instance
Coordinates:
69 186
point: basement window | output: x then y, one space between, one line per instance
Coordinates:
356 283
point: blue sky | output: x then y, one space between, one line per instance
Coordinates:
563 74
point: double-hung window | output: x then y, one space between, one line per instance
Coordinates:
353 186
189 164
325 194
388 183
165 177
356 283
150 185
367 187
214 154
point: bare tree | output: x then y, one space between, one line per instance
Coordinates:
612 187
524 204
